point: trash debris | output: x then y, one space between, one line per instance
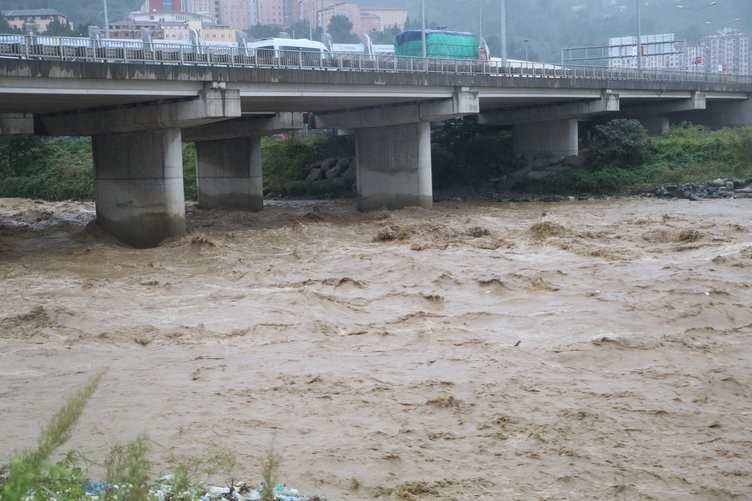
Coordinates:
163 490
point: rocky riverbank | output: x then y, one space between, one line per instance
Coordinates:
336 175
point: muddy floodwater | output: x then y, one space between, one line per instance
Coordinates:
576 350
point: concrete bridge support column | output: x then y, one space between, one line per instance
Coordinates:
228 174
394 166
553 139
393 147
139 185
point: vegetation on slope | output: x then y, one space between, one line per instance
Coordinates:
621 158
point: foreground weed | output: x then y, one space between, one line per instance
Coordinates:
187 471
25 473
128 468
269 468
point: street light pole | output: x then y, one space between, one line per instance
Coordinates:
106 21
503 33
697 14
480 20
423 28
639 37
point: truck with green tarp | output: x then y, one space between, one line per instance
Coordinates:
439 44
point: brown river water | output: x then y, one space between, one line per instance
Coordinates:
576 350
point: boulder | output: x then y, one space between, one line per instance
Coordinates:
520 175
315 174
335 171
349 173
343 162
328 163
573 161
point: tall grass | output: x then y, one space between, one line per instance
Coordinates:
26 470
687 153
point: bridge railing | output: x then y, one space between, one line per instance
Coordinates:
232 55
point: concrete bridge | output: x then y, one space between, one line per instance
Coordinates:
139 112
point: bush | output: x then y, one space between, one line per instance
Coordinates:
465 153
48 168
605 181
690 152
190 187
619 143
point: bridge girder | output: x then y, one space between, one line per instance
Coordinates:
608 102
462 102
210 105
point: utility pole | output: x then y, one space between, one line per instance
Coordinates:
503 33
423 27
639 38
480 20
106 21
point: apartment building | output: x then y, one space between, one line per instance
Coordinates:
727 51
320 12
38 19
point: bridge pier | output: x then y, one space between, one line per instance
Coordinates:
552 139
228 174
393 148
228 159
138 160
16 124
394 166
138 185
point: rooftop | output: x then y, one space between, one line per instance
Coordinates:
31 13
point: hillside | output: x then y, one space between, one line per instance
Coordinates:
78 11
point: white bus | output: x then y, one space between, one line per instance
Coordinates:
299 52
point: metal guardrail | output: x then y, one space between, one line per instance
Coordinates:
231 55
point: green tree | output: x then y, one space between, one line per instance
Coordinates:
6 28
259 31
386 36
301 29
622 142
340 28
56 28
465 153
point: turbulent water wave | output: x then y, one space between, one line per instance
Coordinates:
590 349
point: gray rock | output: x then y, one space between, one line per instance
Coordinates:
573 161
328 163
540 164
343 162
335 171
315 174
539 174
520 175
349 173
717 183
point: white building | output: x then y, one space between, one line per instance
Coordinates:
727 51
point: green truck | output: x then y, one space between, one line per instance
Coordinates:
439 44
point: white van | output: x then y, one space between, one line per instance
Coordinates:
295 52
